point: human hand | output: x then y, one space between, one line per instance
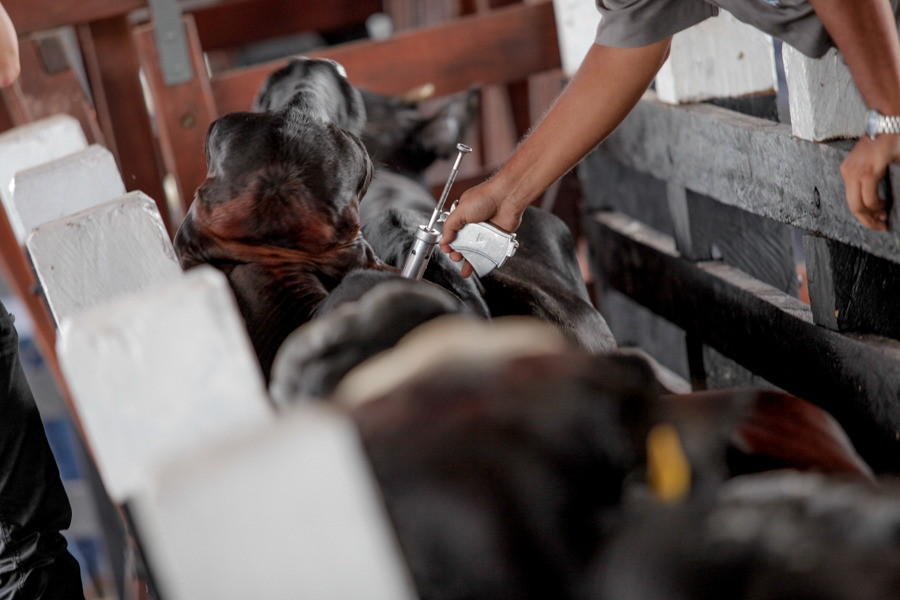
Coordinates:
9 50
862 170
484 202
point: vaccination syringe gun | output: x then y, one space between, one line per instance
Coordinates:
484 246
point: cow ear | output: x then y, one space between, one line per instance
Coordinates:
442 131
364 185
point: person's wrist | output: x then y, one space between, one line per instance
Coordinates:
509 192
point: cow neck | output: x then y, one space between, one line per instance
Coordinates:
336 256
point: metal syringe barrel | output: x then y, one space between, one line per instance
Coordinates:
423 247
426 235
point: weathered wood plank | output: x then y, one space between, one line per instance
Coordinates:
851 290
503 46
824 101
751 163
327 537
709 230
143 399
609 185
856 378
112 249
717 58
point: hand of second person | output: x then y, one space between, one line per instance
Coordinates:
484 202
862 170
9 50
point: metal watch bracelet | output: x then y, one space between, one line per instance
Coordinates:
877 123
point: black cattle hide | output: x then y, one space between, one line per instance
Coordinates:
541 280
404 137
278 212
366 314
503 480
769 536
404 140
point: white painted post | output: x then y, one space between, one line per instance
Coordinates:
34 144
62 187
576 28
720 57
98 254
824 101
155 374
290 510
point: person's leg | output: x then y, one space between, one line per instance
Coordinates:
34 560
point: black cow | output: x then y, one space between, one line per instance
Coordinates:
279 215
770 536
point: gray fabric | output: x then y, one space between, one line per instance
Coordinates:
633 23
630 23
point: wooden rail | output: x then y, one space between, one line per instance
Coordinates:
751 163
855 377
681 168
503 46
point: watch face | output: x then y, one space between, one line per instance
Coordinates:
872 122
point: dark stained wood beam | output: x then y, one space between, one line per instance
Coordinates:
36 15
750 163
502 46
855 378
851 290
227 25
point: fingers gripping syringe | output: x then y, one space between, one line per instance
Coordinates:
426 235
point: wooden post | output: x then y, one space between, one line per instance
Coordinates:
113 68
851 290
720 57
184 112
608 185
49 86
824 101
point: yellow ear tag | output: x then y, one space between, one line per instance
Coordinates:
668 469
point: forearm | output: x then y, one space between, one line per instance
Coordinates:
600 95
865 31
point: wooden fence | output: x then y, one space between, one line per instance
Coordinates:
690 216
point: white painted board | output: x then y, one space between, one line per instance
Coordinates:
90 257
34 144
289 511
64 186
824 101
719 57
576 29
155 374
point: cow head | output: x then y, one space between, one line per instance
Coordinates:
404 135
288 177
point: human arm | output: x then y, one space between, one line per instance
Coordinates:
600 95
9 50
865 32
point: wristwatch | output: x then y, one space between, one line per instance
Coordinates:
877 123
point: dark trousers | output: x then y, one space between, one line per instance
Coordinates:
34 560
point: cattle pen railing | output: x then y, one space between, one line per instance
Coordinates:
689 215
